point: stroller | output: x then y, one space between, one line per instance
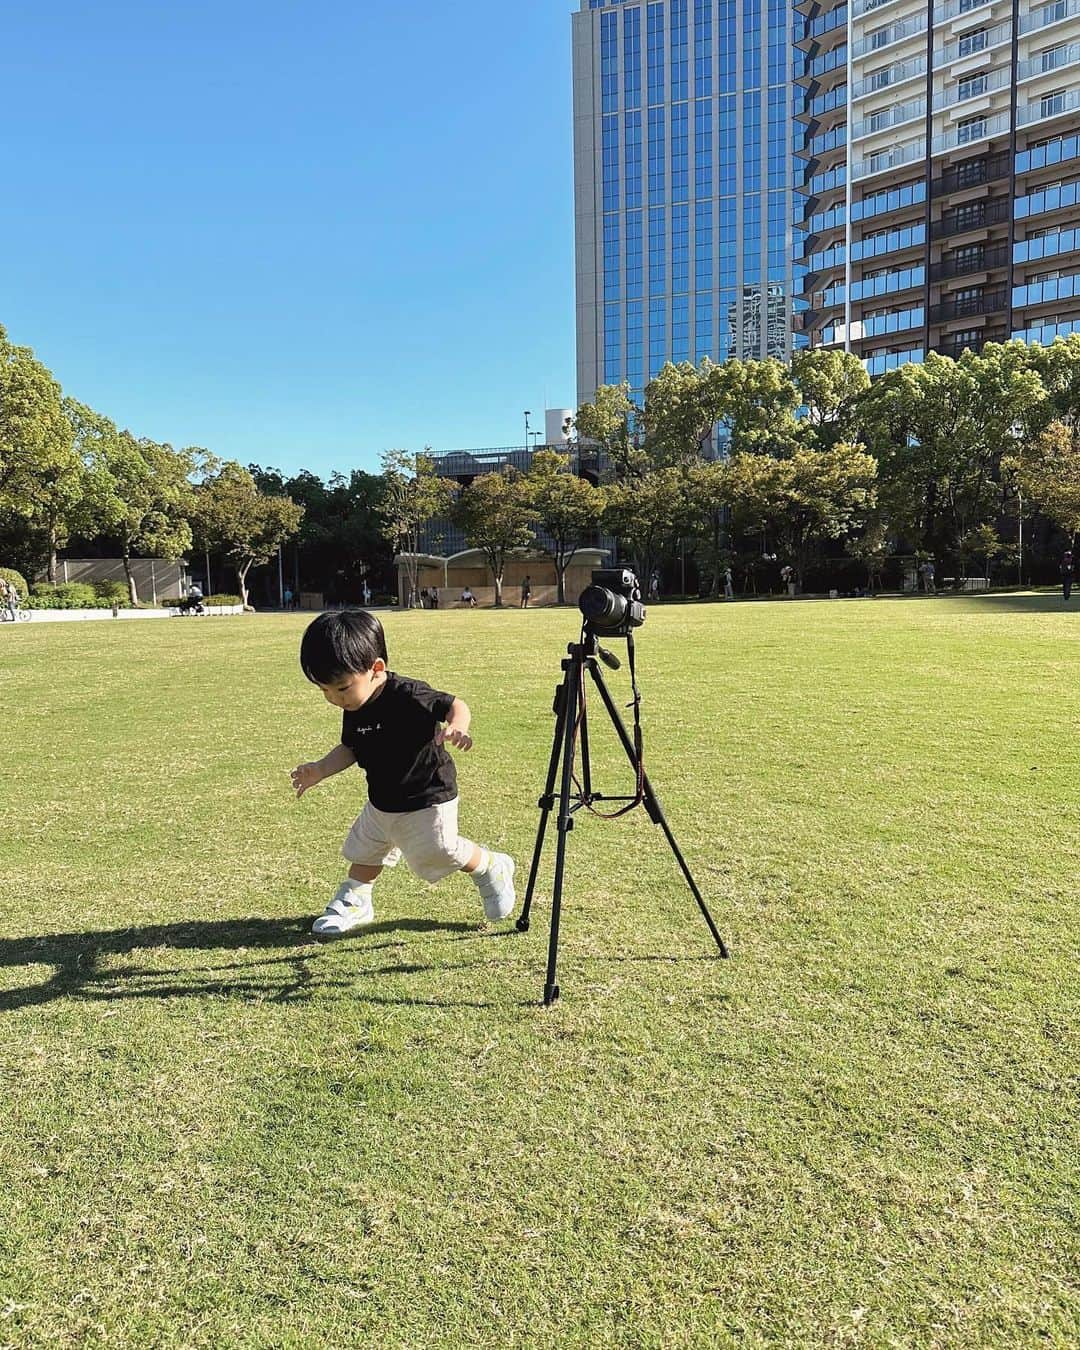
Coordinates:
192 603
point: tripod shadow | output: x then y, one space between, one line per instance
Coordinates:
80 970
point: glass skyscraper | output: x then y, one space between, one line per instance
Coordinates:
683 185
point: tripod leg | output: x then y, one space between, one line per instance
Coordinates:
565 825
546 801
652 803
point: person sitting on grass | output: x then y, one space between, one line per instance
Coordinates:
396 729
467 598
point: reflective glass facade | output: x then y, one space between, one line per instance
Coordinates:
683 184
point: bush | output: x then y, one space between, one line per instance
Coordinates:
9 574
222 600
112 592
68 595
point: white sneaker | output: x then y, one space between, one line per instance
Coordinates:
496 887
346 911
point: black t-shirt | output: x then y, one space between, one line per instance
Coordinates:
393 739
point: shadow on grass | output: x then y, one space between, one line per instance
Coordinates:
76 959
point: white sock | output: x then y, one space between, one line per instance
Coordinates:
481 869
361 890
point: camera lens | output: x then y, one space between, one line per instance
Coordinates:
602 608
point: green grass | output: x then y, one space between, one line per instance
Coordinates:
863 1129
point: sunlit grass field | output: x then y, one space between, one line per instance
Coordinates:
862 1129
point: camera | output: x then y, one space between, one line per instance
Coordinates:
612 603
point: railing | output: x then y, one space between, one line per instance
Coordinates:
1040 156
997 125
830 61
832 219
952 10
1047 246
972 345
975 217
893 158
1044 292
1056 59
1047 14
901 322
991 302
966 46
1045 333
827 259
890 117
985 261
971 173
825 23
1053 106
828 140
890 199
888 37
912 236
891 283
826 103
996 79
827 181
882 362
1046 199
889 77
868 6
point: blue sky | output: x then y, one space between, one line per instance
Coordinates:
297 235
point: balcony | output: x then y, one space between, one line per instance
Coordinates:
971 173
1050 105
889 117
911 236
971 44
1047 246
868 6
985 261
1046 292
1045 333
970 306
974 216
894 157
882 362
1045 15
979 129
1045 64
888 200
890 284
889 78
1045 156
888 37
1060 197
969 343
976 86
824 23
955 8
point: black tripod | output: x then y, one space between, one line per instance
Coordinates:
570 726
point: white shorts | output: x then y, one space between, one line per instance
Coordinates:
428 840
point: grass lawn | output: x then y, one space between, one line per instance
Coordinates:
863 1129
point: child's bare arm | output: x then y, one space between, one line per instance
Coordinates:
455 730
305 776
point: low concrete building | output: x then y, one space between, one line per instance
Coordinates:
451 575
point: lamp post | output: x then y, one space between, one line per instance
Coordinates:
528 414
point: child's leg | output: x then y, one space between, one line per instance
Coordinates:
368 851
433 849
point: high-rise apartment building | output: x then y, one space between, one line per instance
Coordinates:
683 184
942 172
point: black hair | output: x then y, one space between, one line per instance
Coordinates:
342 642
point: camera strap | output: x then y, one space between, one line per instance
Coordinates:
639 751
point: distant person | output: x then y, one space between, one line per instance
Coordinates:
526 591
434 597
397 730
729 589
929 585
467 598
1066 573
654 586
286 599
195 599
366 592
11 599
787 576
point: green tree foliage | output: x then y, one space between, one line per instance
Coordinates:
35 436
646 514
1059 368
830 384
496 513
413 494
609 424
232 516
567 508
1048 473
682 405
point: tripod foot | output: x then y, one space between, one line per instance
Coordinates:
522 924
551 993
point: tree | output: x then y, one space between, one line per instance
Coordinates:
981 542
645 514
871 548
230 514
682 405
139 492
1048 473
1059 367
707 524
607 423
830 385
761 400
413 494
39 467
566 507
496 515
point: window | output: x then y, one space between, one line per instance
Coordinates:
971 86
1037 277
969 258
966 5
880 79
972 42
1053 57
967 217
970 129
878 38
967 337
1052 104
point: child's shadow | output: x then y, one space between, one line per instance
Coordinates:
79 969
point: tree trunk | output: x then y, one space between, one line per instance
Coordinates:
560 581
52 555
133 594
242 570
498 589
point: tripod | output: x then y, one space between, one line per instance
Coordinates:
570 726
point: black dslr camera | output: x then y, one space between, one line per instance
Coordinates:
612 604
